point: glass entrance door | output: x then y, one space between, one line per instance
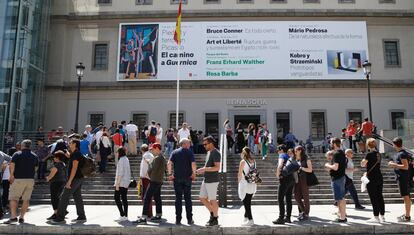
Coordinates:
245 120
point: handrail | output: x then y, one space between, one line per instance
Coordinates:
389 142
223 151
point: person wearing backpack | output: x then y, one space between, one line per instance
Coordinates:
401 169
73 185
152 133
285 172
246 188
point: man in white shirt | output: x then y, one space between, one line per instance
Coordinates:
132 130
184 132
147 158
159 133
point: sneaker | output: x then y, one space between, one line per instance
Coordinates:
404 218
141 221
359 207
303 217
209 221
279 221
79 220
213 222
122 218
287 220
21 220
11 221
58 221
190 222
248 223
338 220
156 219
245 220
376 219
52 217
382 219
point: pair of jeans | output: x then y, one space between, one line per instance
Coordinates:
122 207
144 187
183 186
374 189
352 144
247 203
41 171
169 148
5 196
350 187
76 192
56 189
302 194
285 192
103 162
250 143
154 190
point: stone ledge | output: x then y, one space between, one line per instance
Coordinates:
155 230
266 84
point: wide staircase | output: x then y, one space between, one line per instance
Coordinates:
99 189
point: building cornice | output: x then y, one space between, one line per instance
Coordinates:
223 85
148 14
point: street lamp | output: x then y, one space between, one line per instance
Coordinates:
367 71
79 72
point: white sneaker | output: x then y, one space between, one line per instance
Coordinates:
376 219
245 220
124 218
382 219
248 223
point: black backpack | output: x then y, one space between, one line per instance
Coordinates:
153 131
88 167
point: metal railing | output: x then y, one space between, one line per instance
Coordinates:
11 138
223 171
389 142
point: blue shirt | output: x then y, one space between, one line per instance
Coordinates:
290 138
84 146
182 159
284 156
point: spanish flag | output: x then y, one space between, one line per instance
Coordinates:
177 33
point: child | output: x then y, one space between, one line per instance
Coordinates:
57 179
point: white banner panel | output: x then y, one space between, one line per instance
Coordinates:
266 50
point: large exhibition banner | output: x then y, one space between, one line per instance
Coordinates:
265 50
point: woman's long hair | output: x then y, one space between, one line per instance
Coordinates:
303 156
246 154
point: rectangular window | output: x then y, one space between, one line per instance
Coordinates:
396 117
172 119
278 1
245 1
311 1
282 124
211 1
212 124
104 2
95 119
356 116
100 56
346 1
387 1
318 128
141 120
392 53
178 1
143 2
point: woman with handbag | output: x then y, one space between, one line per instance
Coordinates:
122 181
247 185
372 162
301 189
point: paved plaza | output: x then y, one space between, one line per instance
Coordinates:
101 221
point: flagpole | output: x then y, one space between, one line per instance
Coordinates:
177 105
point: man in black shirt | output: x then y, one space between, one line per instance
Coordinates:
400 166
22 171
73 185
337 172
181 170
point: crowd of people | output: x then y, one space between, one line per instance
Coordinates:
175 162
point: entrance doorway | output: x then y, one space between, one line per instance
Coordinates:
245 120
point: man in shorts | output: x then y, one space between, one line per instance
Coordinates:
337 169
208 190
22 172
401 166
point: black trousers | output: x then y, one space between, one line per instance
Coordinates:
5 196
376 197
247 203
76 192
285 192
122 206
154 190
56 189
181 187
